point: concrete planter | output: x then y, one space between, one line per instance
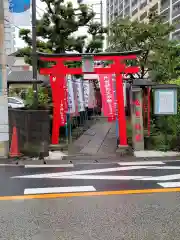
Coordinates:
33 128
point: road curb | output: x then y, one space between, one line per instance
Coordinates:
9 162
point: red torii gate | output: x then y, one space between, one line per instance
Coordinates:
59 71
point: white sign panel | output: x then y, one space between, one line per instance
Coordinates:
165 101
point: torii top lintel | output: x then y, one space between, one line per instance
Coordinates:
116 67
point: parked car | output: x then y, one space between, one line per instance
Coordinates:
15 102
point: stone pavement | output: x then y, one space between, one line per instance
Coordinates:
99 139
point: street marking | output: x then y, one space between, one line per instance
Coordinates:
100 177
108 177
9 165
59 190
81 172
163 178
169 184
165 167
49 166
141 163
86 194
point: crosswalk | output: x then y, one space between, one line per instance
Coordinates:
79 178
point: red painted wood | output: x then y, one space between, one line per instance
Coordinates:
96 58
132 70
149 111
59 71
121 110
57 85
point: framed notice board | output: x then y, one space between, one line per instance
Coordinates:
165 101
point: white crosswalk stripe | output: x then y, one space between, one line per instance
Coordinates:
59 190
141 163
169 184
50 166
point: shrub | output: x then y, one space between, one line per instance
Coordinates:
43 98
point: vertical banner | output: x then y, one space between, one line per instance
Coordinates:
62 110
70 93
124 93
79 92
63 103
115 104
86 88
91 102
1 80
20 10
107 84
75 97
104 102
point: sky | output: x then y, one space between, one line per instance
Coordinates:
40 8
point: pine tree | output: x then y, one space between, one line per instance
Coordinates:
57 27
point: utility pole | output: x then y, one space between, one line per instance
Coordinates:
34 55
101 13
4 125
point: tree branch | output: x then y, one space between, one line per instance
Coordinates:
49 7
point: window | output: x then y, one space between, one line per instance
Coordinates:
165 15
176 10
143 16
154 8
126 3
135 11
143 4
127 11
120 7
164 4
173 1
176 36
176 22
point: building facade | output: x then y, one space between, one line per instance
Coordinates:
139 9
9 30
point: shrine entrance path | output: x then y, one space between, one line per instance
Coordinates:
99 140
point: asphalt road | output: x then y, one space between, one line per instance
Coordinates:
118 217
65 204
69 178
